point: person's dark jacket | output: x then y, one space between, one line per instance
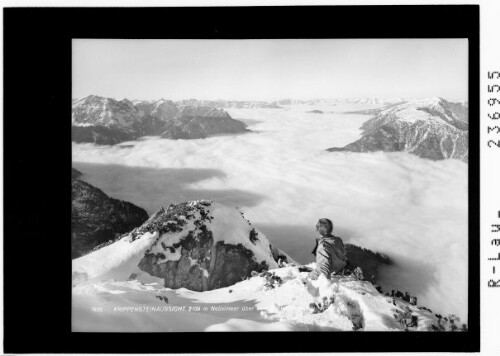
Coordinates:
330 256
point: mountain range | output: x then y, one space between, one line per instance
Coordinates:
434 128
108 121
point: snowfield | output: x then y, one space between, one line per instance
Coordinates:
144 305
113 261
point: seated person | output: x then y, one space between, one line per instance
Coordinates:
329 251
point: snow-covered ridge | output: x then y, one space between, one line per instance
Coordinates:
207 267
431 110
294 303
430 128
373 101
96 110
200 245
187 110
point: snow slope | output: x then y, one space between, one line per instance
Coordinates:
143 305
116 261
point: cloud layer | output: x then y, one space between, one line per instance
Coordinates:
412 209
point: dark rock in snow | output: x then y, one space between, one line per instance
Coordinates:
97 218
186 253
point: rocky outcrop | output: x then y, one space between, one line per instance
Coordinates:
203 246
107 121
434 129
97 218
192 127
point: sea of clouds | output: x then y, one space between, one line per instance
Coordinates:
281 177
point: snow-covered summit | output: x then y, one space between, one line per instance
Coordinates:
188 110
96 110
430 128
432 110
198 245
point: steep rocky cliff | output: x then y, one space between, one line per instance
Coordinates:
97 218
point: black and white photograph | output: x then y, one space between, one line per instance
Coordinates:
193 177
294 184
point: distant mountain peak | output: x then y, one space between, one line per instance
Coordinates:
432 128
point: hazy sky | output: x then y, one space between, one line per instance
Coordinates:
270 69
